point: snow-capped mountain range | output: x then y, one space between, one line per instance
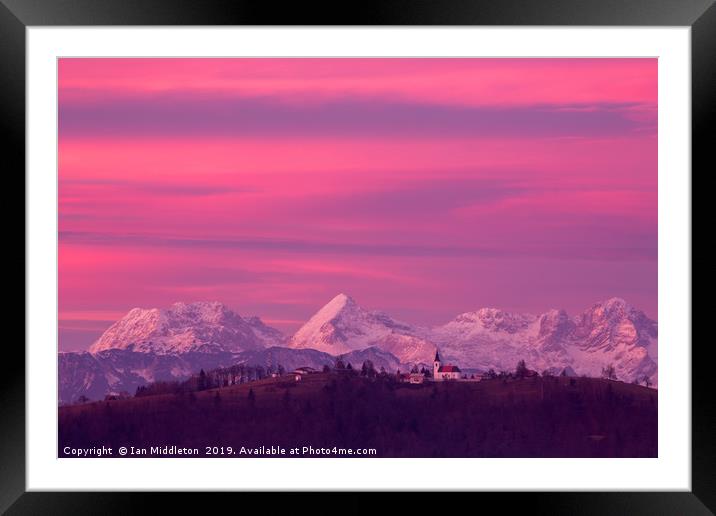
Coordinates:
172 343
611 332
181 328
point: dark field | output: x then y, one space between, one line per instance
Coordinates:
534 417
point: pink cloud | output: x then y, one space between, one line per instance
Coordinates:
461 81
520 183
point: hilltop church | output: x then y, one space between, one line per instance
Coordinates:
444 372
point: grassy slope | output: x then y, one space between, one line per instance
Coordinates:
549 417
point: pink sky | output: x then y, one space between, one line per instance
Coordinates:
421 187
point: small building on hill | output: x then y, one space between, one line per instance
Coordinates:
413 378
442 372
416 378
304 370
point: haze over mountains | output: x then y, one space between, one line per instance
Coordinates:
163 344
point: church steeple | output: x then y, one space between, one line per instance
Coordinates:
436 364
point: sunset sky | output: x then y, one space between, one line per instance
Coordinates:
421 187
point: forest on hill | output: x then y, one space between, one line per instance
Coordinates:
516 417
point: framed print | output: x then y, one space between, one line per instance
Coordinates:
420 249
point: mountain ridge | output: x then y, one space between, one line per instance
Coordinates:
183 327
180 339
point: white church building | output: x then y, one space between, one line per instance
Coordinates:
442 372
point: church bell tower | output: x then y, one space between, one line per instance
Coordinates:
436 364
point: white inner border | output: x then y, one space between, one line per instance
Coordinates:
672 469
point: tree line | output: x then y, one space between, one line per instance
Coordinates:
244 373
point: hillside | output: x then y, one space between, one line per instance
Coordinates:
94 375
535 417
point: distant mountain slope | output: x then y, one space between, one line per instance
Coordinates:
379 357
268 335
94 375
289 358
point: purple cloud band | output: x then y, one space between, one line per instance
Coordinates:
191 115
637 249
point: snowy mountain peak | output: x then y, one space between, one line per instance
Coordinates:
335 306
342 325
615 319
492 319
615 302
184 327
613 307
205 310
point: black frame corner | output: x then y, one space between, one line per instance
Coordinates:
700 15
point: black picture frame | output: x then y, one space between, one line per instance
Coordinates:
17 15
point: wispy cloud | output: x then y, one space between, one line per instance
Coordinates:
563 251
112 186
182 114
